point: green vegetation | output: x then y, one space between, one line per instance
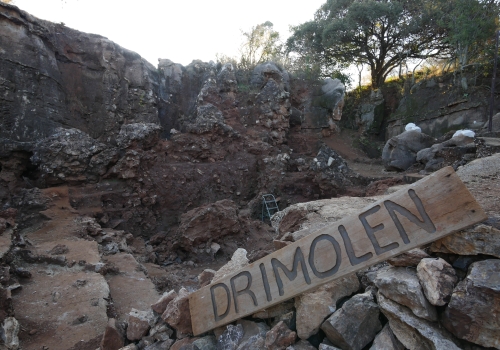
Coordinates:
386 34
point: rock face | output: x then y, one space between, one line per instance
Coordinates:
354 325
437 279
314 307
473 313
402 286
400 152
70 155
81 78
412 331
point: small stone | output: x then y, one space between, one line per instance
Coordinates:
139 323
10 330
280 244
160 306
231 337
355 324
177 314
252 330
402 285
437 278
301 345
129 347
386 340
33 332
327 347
112 339
313 307
206 277
410 258
179 344
206 343
59 249
279 337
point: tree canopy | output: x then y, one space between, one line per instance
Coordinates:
379 33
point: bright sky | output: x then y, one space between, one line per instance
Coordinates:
180 30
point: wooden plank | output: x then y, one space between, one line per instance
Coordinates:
425 211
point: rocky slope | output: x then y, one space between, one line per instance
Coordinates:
123 187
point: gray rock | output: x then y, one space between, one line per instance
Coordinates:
66 156
473 313
400 152
139 323
144 135
165 299
251 331
161 345
9 332
354 325
414 332
410 258
177 314
301 345
313 307
40 67
481 239
437 278
446 153
402 286
323 346
386 340
231 337
268 70
279 337
206 343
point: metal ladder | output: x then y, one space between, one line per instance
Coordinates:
270 206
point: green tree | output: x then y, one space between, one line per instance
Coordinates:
379 33
469 25
262 43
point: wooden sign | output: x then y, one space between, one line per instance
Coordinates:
429 209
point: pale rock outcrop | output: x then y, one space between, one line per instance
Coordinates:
402 286
437 278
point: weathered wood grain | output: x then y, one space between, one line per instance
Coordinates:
429 209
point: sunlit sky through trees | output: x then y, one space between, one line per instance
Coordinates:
180 30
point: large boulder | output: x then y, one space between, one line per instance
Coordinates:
141 135
400 152
314 307
354 325
473 313
402 286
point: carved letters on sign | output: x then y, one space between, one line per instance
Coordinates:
432 208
